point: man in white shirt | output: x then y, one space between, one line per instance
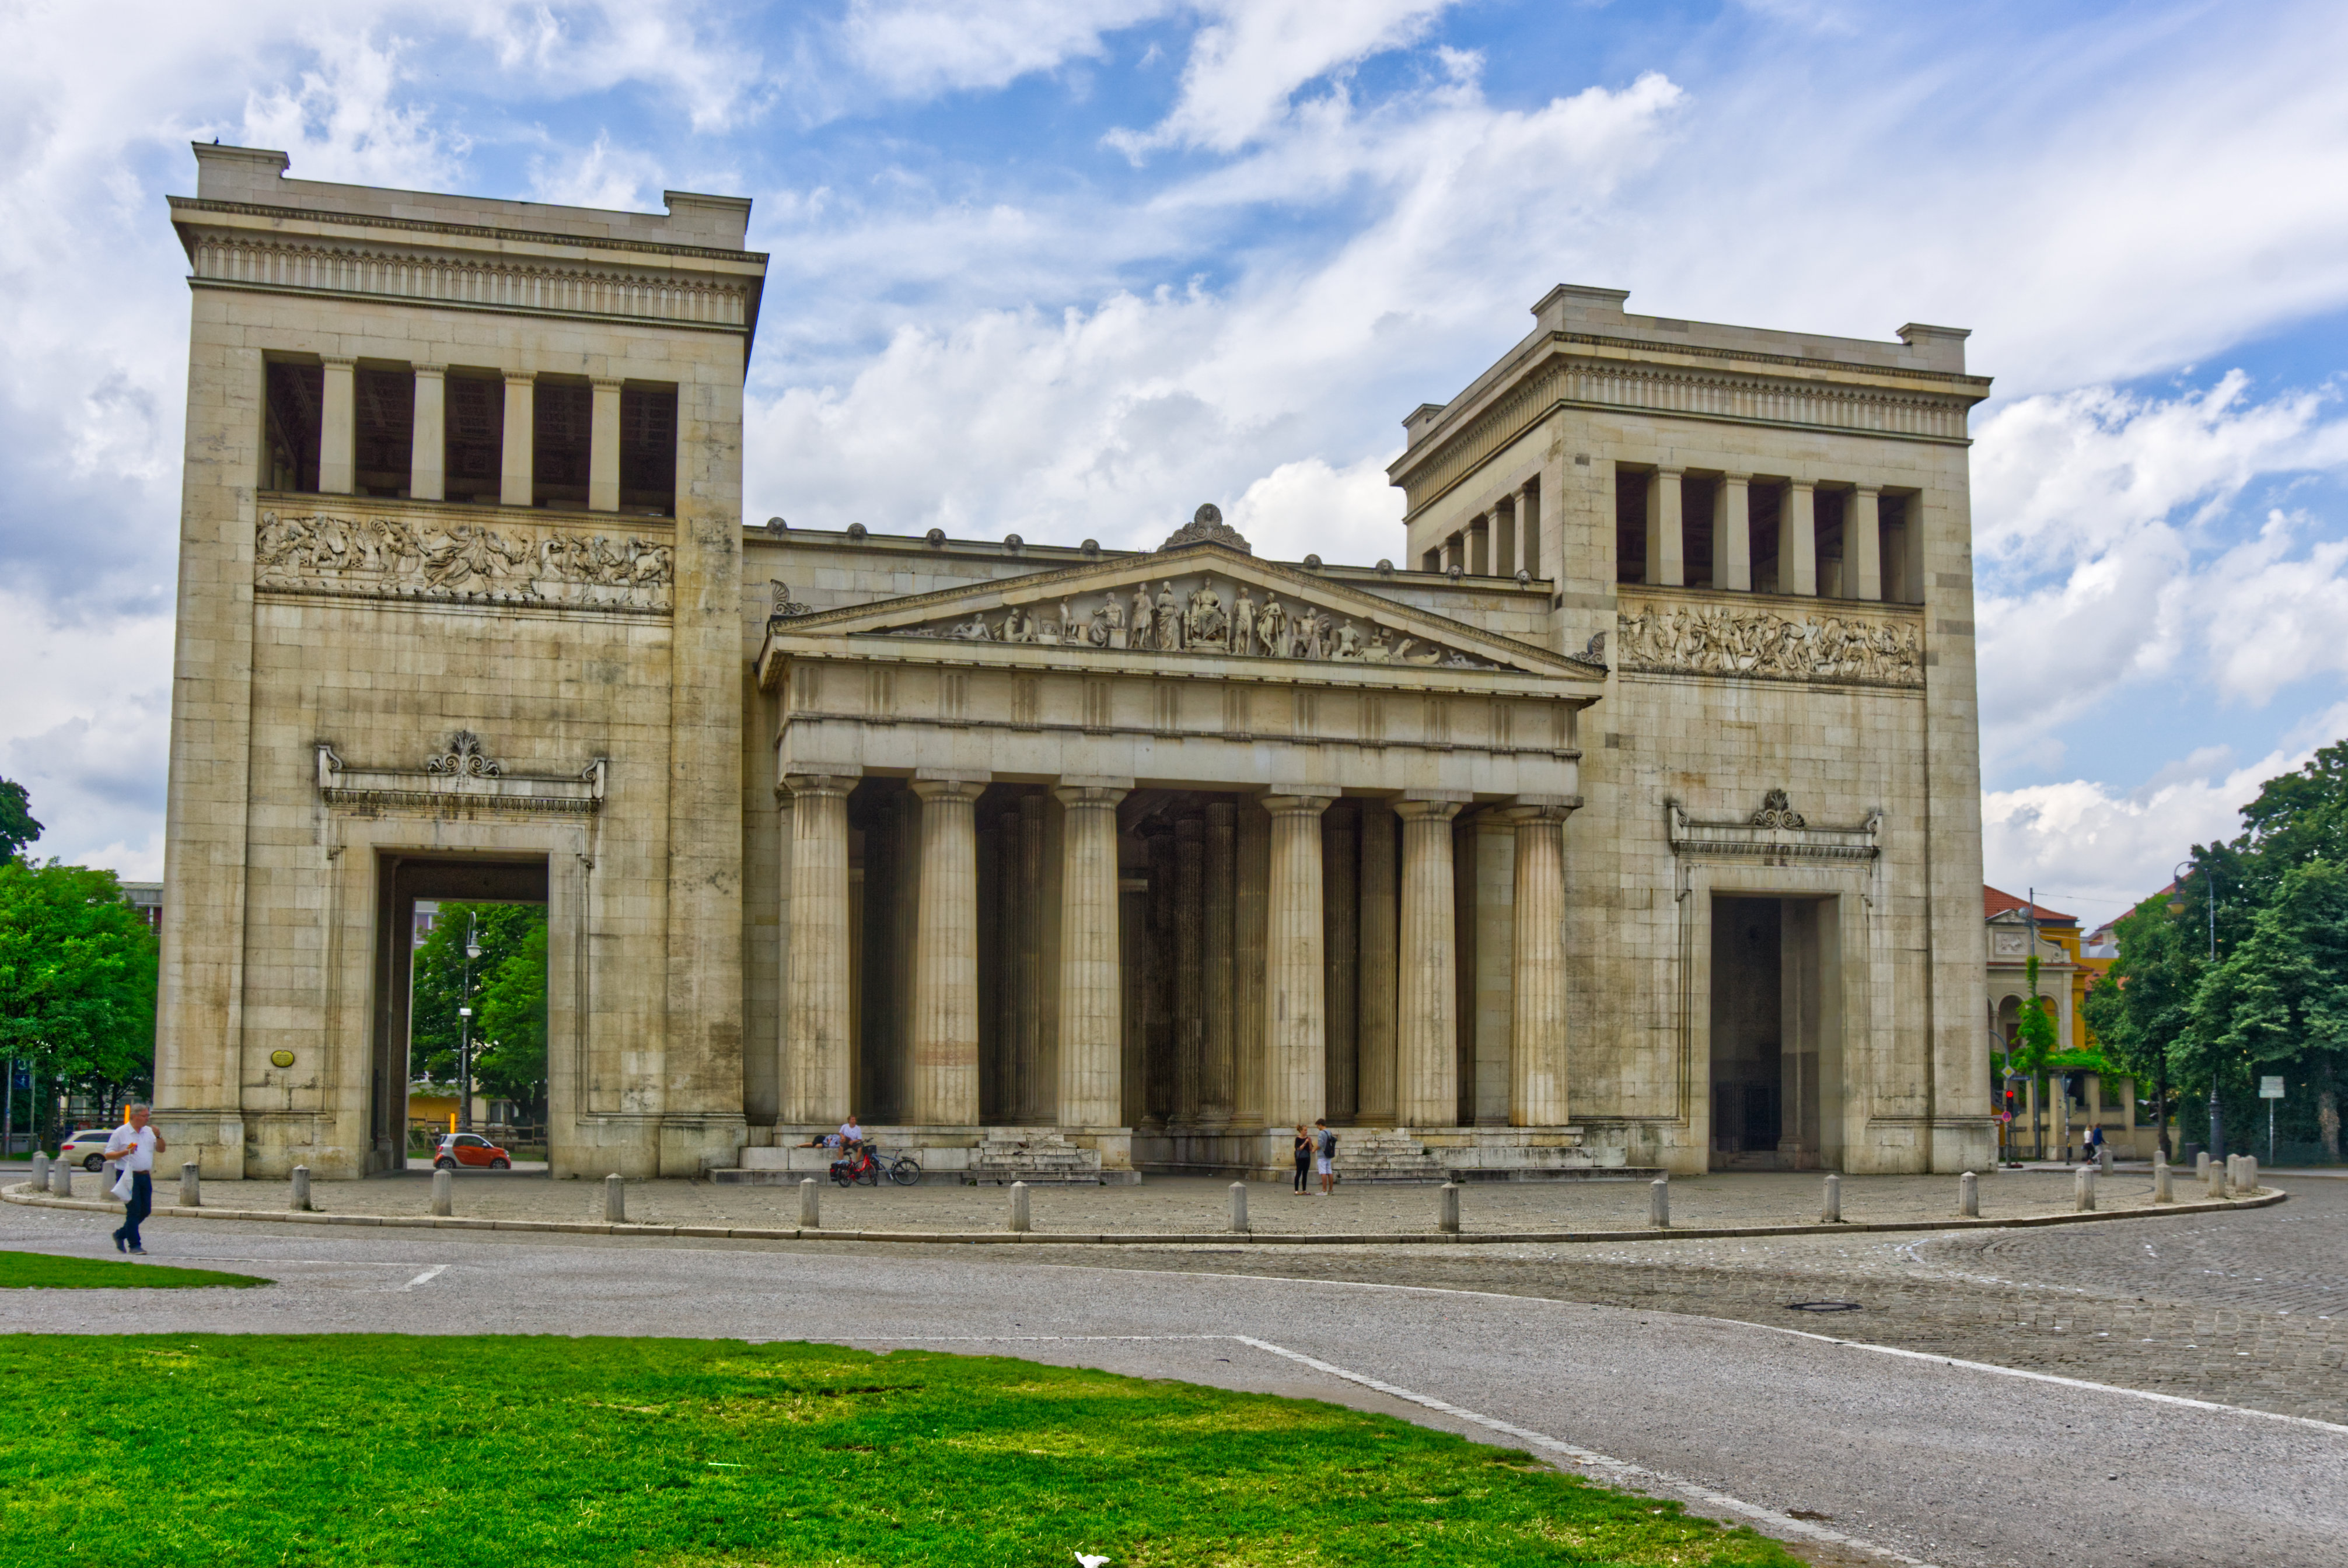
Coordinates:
135 1145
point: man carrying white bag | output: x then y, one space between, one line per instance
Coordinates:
135 1145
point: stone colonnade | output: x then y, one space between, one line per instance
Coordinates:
1867 569
1262 960
1499 541
427 451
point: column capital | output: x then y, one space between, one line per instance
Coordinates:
948 789
1866 489
1740 480
1802 484
1295 804
436 372
1411 810
520 377
1542 808
1670 470
819 784
1088 798
338 361
606 383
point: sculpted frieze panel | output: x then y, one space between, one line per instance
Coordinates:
1190 615
1706 639
461 562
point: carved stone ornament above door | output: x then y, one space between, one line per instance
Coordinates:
460 778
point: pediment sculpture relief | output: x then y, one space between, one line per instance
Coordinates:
1703 639
461 562
1191 616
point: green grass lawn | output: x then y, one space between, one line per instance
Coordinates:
519 1452
40 1271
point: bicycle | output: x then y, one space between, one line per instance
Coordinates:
903 1170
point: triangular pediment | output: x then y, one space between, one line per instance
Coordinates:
1203 598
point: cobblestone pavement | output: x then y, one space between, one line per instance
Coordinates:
2248 1309
1172 1205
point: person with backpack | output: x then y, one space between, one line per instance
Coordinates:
1324 1150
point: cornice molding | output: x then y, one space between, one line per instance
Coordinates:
277 215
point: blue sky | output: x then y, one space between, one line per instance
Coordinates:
1069 267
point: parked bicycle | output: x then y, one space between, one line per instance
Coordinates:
867 1165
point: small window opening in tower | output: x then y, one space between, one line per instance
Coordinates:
648 450
296 393
474 422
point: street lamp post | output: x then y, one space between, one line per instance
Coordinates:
2217 1110
465 1026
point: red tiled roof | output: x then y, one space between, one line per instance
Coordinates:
1996 901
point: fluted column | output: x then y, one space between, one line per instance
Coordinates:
945 962
1295 1006
338 429
518 466
1862 542
1218 1084
1427 1092
603 448
815 1041
1374 1020
427 447
1797 540
1666 534
1092 991
1733 534
1536 1055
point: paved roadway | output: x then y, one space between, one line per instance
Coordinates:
1917 1457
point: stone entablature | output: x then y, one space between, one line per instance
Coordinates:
1774 833
1728 633
457 779
357 549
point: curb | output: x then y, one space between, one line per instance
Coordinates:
25 1194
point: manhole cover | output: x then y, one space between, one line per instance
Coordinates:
1823 1306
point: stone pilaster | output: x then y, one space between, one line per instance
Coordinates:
1537 1041
427 459
1374 1017
1666 533
1091 989
1732 540
816 1010
1341 934
1295 1006
1250 909
517 469
1797 540
603 447
1427 1092
945 964
1862 542
1219 1085
1189 968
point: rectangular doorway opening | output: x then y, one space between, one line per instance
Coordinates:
429 911
1776 1034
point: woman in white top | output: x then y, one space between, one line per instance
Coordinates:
135 1145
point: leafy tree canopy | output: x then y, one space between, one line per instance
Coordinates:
507 991
17 827
78 972
2284 992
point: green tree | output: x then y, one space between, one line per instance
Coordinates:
2034 1032
2282 998
445 980
513 1018
78 972
17 827
2141 1011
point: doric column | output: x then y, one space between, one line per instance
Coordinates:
815 1042
945 963
1479 546
338 431
1295 1007
1426 1092
1529 526
427 464
520 451
1219 1085
1732 540
1251 908
603 448
1537 1057
1862 542
1374 1017
1341 860
1797 540
1190 967
1666 532
1091 987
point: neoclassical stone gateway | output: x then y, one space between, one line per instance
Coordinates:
1632 821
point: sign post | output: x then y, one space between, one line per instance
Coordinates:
2271 1090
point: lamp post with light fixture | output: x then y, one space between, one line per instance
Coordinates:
2176 907
465 1026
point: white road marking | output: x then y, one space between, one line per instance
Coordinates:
427 1277
1621 1472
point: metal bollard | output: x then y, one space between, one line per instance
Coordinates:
1659 1203
615 1199
1238 1208
810 1195
300 1200
2250 1174
1830 1205
2083 1189
40 1170
443 1191
2160 1193
1969 1196
1446 1208
60 1178
1016 1220
191 1186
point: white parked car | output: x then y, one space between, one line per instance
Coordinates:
86 1148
